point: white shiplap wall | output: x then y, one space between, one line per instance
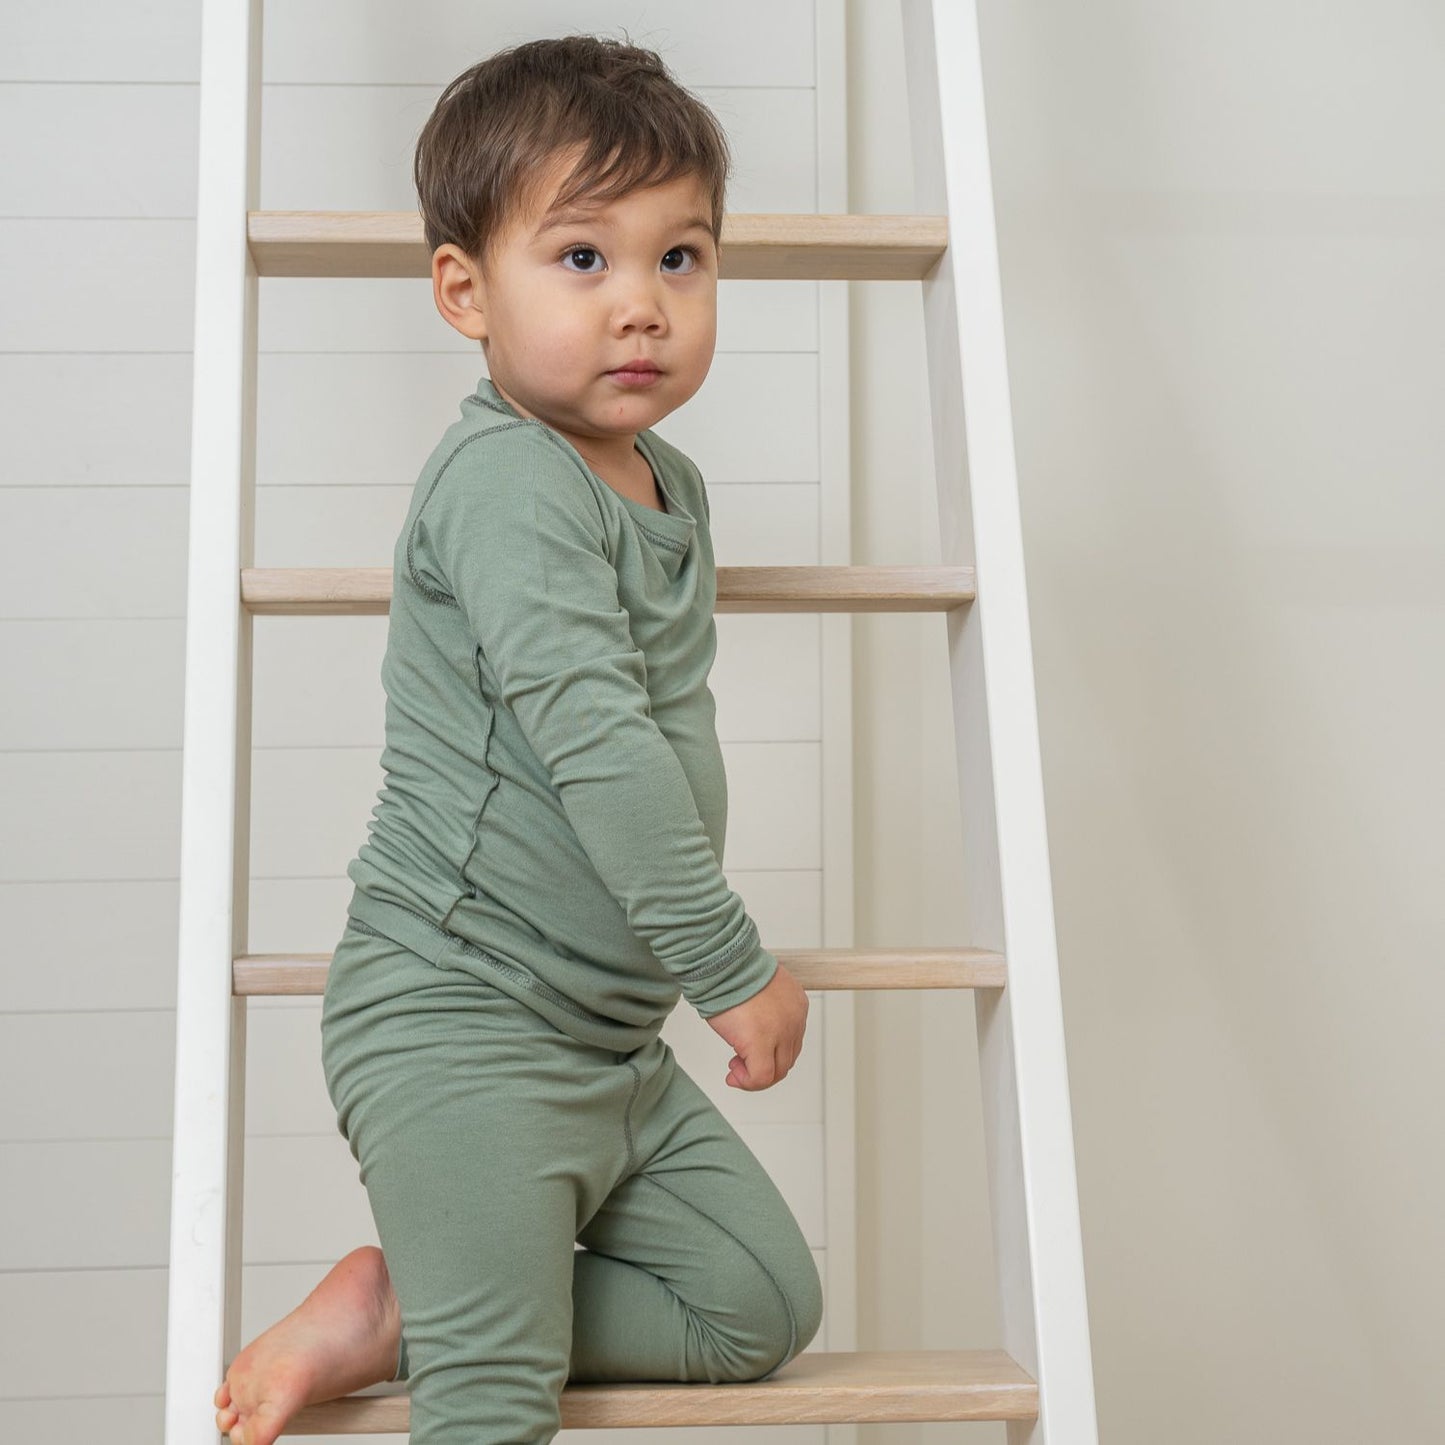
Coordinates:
356 379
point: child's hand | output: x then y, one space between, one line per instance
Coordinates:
766 1030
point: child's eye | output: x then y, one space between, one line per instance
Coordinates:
690 256
585 251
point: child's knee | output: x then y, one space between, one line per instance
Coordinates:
808 1305
804 1295
784 1327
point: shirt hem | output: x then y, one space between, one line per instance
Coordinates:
449 950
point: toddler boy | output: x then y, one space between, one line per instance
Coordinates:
542 876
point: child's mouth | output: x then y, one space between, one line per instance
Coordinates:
638 377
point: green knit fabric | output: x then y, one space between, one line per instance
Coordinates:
554 793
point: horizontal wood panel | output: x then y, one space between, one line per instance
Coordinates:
775 809
95 40
86 1076
118 683
107 1325
110 150
61 960
92 575
112 682
137 407
310 807
375 419
85 1096
81 816
140 280
428 42
85 1204
763 524
324 40
71 967
349 148
118 1419
342 524
114 815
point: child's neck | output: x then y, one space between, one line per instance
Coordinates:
634 480
613 458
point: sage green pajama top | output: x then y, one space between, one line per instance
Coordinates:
554 793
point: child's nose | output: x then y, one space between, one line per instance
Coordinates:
639 306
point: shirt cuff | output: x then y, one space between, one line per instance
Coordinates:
735 984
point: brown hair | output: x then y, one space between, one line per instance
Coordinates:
496 127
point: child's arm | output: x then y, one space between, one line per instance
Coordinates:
521 547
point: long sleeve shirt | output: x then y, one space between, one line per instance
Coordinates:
554 802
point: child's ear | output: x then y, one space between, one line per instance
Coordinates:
459 291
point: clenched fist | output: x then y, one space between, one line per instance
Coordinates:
766 1031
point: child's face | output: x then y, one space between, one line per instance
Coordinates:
562 305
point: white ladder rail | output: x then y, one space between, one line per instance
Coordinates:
1027 1119
204 1286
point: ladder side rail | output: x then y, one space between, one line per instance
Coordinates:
204 1286
1027 1117
835 637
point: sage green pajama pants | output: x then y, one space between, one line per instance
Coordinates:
490 1144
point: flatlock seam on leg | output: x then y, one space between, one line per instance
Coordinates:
782 1293
627 1119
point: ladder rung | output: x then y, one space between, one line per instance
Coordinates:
815 1388
803 247
351 591
264 974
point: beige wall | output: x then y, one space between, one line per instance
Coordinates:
1221 231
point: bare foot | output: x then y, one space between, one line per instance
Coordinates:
342 1337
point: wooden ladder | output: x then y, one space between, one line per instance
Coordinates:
1040 1380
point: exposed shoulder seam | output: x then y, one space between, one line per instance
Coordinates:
509 425
422 586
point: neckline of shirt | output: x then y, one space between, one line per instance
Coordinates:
676 519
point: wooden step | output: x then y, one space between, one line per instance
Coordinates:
805 247
272 974
816 1388
354 591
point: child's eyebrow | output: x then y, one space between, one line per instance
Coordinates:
565 218
574 217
